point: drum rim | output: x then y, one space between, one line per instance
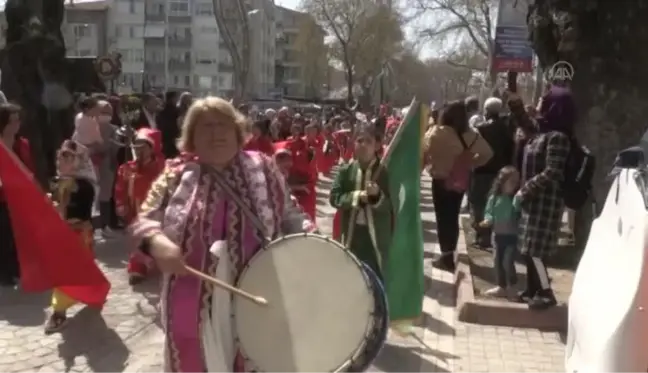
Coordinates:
234 300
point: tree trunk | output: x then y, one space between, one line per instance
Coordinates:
603 41
34 56
349 79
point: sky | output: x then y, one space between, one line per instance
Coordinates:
425 52
292 4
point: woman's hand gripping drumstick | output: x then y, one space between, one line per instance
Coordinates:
225 286
168 256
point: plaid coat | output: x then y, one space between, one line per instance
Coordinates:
541 199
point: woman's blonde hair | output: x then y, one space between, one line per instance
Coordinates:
204 106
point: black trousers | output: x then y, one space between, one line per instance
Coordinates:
447 206
537 275
108 214
9 266
480 186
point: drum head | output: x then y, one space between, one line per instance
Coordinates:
320 306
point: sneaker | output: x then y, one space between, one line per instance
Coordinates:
497 292
542 300
524 296
56 322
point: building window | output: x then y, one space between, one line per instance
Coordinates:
204 9
187 81
208 30
82 31
85 53
180 33
205 58
179 9
131 6
132 55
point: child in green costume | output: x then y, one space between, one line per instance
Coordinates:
360 193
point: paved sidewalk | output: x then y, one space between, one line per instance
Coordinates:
126 337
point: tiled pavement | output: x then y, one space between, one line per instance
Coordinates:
127 337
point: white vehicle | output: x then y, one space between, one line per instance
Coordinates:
608 306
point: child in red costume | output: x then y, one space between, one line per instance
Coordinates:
330 151
302 175
314 144
260 140
284 160
132 185
345 143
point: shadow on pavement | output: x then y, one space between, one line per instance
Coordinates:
23 309
437 326
405 359
442 292
113 253
150 289
104 352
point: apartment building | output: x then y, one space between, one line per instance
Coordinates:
193 57
293 78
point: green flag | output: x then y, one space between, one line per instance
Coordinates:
403 274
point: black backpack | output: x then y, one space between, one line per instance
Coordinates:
579 172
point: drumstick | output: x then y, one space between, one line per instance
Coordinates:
216 282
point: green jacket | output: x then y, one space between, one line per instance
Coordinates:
374 238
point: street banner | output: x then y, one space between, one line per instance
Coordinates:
513 50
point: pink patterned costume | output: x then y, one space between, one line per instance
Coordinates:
188 205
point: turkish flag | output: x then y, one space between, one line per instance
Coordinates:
50 253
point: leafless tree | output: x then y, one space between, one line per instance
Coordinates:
233 24
468 23
362 32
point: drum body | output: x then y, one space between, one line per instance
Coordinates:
327 311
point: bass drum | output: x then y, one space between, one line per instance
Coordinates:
327 312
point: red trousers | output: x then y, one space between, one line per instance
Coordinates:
308 202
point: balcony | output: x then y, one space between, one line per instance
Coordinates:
179 65
184 19
225 68
155 17
184 42
157 67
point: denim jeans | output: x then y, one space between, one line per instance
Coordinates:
504 259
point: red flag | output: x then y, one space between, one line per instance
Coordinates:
50 253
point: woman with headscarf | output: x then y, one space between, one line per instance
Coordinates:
540 197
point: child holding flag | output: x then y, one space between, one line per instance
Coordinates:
361 195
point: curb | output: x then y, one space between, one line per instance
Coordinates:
475 310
